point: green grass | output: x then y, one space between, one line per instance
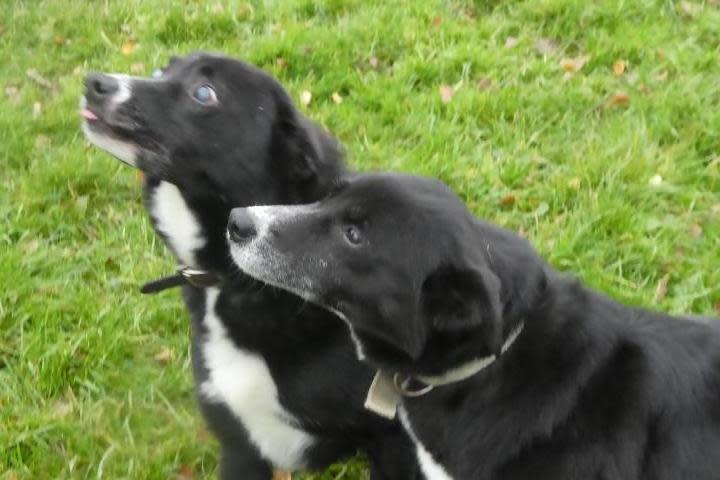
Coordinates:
81 393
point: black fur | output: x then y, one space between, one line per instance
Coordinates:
253 147
590 389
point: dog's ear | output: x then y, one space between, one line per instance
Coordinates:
296 141
456 299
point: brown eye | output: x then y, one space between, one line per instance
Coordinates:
352 235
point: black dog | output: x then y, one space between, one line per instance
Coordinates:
278 381
508 371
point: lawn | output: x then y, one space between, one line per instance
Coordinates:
593 128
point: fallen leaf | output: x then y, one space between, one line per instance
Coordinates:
717 307
42 141
202 434
59 40
446 93
546 46
30 246
13 94
437 21
662 288
281 475
305 97
620 99
655 181
510 42
484 83
62 408
281 63
185 472
165 355
689 9
35 76
128 47
336 97
575 183
572 65
542 209
37 110
508 200
696 230
137 68
374 62
619 67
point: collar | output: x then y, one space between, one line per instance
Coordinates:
183 276
387 389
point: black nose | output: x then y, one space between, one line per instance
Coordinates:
241 226
99 86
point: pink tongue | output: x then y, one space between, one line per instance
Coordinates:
85 113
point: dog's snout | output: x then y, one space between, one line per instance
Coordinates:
99 86
241 226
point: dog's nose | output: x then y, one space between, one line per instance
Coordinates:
99 86
241 226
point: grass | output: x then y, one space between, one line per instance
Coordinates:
614 177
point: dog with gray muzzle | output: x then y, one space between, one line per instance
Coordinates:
498 367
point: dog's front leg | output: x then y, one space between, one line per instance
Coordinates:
242 462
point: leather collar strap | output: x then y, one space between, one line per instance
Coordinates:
184 276
387 389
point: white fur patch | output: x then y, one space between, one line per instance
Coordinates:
124 89
124 151
242 381
177 222
431 469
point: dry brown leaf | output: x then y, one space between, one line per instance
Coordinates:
137 68
374 62
42 141
446 93
281 475
165 355
62 408
508 200
336 97
689 9
59 40
546 46
437 21
696 230
717 307
510 42
13 94
662 288
281 63
35 76
619 67
572 65
484 83
185 472
620 99
128 47
305 97
36 110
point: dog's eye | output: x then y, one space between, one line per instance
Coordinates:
157 73
205 94
352 235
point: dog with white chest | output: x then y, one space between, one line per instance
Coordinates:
277 379
499 367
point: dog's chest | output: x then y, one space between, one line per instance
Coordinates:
241 380
176 222
431 469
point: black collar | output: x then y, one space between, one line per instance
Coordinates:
184 276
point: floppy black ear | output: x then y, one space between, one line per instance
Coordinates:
296 141
455 300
